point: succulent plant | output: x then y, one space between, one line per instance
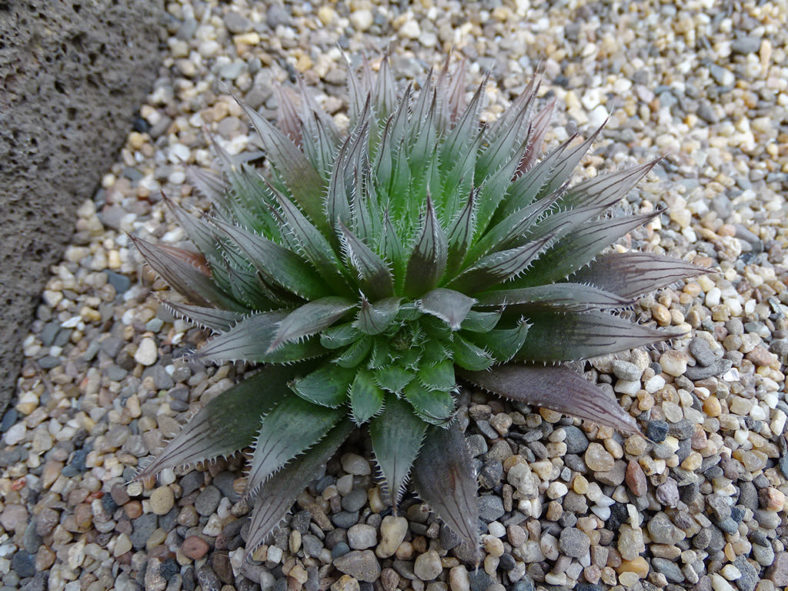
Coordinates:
367 271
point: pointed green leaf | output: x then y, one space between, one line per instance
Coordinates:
443 477
343 177
428 258
375 318
502 343
373 273
634 273
385 90
218 429
433 406
301 178
584 335
499 266
355 353
279 492
477 321
309 319
326 386
185 272
559 296
393 378
276 264
469 356
461 234
291 428
339 336
396 436
366 398
450 306
464 131
557 388
216 319
439 376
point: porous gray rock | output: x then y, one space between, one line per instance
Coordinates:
73 73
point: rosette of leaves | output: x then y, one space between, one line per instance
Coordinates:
367 271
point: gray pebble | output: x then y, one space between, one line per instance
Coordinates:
224 482
477 445
573 542
208 500
490 508
345 519
24 564
668 493
143 527
354 500
576 441
749 574
208 579
191 482
701 350
763 554
662 530
624 370
668 568
237 23
362 565
745 45
312 545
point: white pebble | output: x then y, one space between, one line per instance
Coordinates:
147 352
496 529
410 30
15 434
655 384
598 116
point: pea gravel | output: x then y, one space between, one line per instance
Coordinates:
701 505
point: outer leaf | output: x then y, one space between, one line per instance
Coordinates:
557 388
443 477
606 189
584 335
396 436
366 398
309 319
291 428
216 319
275 263
461 233
450 306
218 429
634 273
375 318
569 161
561 296
298 173
578 248
249 340
536 135
281 489
428 259
186 272
326 386
373 273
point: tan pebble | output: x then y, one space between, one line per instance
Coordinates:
674 363
580 484
772 499
598 458
345 583
712 407
638 565
392 532
661 314
45 558
162 500
194 547
692 462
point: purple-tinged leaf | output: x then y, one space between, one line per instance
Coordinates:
279 492
309 319
210 185
186 272
292 427
218 429
443 477
605 190
396 436
428 258
366 398
276 264
375 318
498 267
632 274
301 178
385 90
455 93
579 247
557 388
465 129
343 182
574 297
326 386
201 234
286 114
567 164
584 335
446 304
536 137
373 272
216 319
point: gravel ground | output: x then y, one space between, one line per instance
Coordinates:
564 503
